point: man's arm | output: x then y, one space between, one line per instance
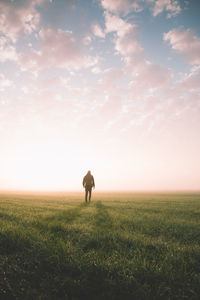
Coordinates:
93 182
83 181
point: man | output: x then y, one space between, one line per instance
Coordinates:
88 184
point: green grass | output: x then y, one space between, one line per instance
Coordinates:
121 246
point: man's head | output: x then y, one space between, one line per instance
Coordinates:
89 172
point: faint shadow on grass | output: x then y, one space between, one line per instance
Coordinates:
22 234
68 215
53 223
56 222
100 238
103 220
65 215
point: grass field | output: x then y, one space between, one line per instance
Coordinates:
121 246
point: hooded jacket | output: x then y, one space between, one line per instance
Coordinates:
88 180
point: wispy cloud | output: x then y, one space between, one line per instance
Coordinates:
18 18
186 43
4 82
98 31
172 7
59 49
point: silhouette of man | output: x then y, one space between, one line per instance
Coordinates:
88 184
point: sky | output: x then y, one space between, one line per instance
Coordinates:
111 86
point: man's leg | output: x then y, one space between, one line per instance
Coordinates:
90 192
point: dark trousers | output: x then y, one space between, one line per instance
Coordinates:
88 190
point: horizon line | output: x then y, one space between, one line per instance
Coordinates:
101 191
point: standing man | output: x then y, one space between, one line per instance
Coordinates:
88 184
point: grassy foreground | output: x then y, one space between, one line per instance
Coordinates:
121 246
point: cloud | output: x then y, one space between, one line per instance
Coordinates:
171 6
186 43
126 43
29 89
116 24
116 5
7 51
191 81
111 108
114 73
59 49
18 17
55 82
96 70
151 78
108 83
87 40
97 31
125 6
4 82
147 76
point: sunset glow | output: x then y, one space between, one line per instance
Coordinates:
111 86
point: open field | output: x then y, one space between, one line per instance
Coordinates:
121 246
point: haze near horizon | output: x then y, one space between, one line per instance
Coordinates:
110 86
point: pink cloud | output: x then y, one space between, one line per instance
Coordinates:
30 89
18 18
156 76
116 24
191 81
151 77
97 31
58 49
126 41
194 97
111 108
96 70
109 81
7 53
171 6
125 6
4 82
86 40
159 113
116 5
56 81
147 76
113 73
186 43
2 41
